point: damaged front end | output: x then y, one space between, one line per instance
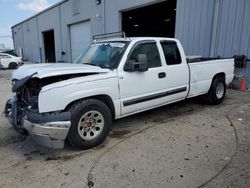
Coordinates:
48 129
17 105
11 112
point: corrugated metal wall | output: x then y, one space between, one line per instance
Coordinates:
199 26
194 20
234 28
17 33
30 40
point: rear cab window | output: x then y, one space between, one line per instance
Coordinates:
171 52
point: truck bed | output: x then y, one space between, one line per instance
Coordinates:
202 73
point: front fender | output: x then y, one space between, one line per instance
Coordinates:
57 96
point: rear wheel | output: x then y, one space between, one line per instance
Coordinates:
217 91
90 124
13 65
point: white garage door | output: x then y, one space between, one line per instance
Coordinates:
80 38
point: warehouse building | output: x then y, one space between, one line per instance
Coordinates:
209 28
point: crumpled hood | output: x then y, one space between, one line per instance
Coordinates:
47 70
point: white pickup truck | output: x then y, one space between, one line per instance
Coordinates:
112 79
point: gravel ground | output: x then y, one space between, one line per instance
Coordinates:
187 144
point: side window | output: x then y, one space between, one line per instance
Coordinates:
151 50
171 52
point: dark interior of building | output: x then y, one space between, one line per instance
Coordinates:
152 20
49 46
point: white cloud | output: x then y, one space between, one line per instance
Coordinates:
34 5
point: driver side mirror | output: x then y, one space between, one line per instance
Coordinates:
140 64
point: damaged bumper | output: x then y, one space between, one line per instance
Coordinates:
11 113
49 130
50 134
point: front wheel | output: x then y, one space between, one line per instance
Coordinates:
217 91
90 124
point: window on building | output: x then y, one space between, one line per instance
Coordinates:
151 50
171 52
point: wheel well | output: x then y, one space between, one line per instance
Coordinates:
104 98
12 63
220 75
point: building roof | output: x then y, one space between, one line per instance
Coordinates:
51 7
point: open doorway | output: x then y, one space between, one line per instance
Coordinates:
156 20
49 46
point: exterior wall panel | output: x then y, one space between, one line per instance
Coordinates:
234 28
194 19
30 40
88 10
245 36
49 20
198 27
17 33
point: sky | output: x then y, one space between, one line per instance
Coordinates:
15 11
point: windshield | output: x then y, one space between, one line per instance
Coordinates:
103 54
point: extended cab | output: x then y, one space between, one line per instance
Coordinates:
112 79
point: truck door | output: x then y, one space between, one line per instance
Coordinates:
176 69
142 90
165 81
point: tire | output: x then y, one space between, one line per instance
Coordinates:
90 124
217 91
13 65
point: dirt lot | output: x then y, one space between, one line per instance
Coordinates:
182 145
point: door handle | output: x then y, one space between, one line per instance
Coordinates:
162 75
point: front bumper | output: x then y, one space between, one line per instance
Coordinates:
11 113
49 130
51 134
